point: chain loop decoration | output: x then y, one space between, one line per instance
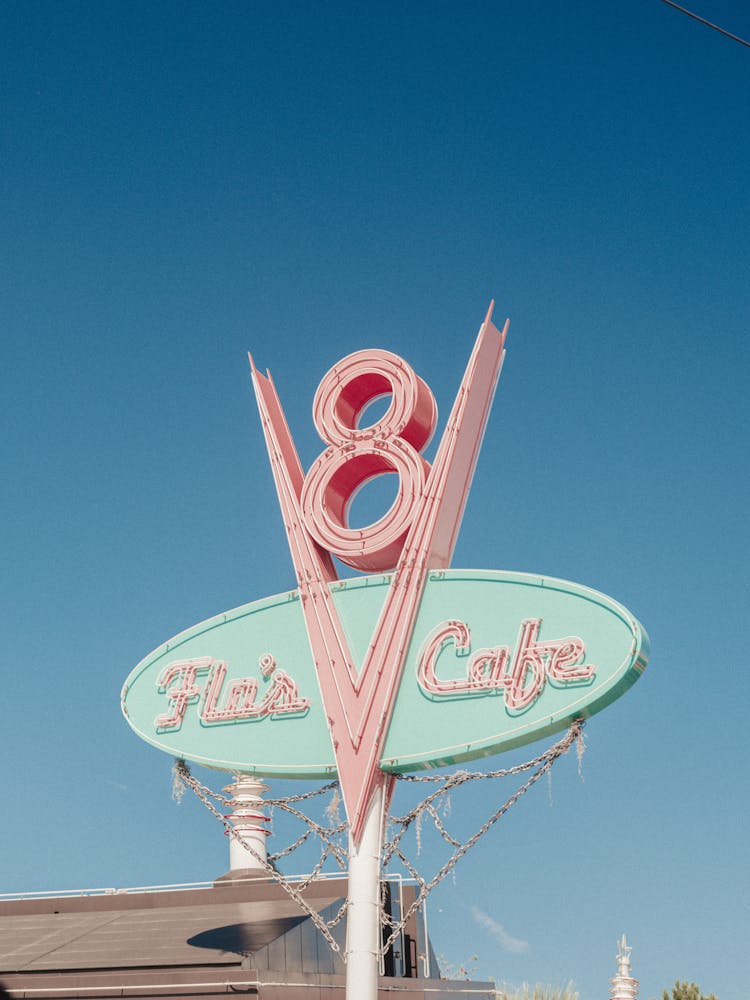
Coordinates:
332 837
358 454
540 766
293 889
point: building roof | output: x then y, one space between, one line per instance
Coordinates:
236 936
214 925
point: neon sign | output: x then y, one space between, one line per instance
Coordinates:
381 674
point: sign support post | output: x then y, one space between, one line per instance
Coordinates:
363 914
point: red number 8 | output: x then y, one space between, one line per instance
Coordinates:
359 454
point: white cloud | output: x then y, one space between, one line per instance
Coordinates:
506 941
116 784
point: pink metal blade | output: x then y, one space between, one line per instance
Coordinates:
359 705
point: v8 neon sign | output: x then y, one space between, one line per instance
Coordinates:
417 535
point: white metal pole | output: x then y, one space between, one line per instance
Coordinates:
363 914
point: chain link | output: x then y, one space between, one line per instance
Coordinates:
543 763
205 794
332 836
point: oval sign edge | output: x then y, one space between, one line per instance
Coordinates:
623 678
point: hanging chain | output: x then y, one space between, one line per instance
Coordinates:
294 890
331 836
543 763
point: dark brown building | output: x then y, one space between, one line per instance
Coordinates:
235 937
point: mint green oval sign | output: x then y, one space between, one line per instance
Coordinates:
496 660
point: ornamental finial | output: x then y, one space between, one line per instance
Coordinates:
623 956
623 986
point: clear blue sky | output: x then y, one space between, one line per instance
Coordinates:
180 183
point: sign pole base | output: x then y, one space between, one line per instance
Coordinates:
363 914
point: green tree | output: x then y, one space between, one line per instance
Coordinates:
686 991
538 992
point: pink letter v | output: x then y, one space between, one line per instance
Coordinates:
359 704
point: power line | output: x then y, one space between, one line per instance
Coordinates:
708 24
